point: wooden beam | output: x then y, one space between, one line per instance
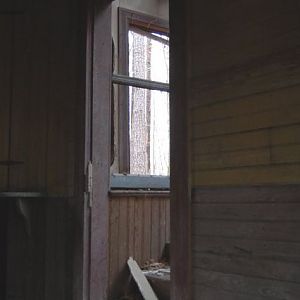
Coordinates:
180 171
100 147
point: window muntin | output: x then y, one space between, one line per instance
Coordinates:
149 129
143 131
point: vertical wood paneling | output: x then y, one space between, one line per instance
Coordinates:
123 231
131 225
39 92
138 231
62 95
29 101
3 248
146 254
40 77
114 241
5 94
139 227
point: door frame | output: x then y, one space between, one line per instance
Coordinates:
180 179
97 146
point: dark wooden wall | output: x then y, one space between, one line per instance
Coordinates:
139 227
41 125
244 89
39 93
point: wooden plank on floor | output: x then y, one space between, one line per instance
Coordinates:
140 279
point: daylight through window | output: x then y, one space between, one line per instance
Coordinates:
149 132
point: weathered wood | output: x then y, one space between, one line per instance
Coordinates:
3 248
141 280
155 228
245 158
101 66
6 75
248 286
256 175
248 265
134 231
246 30
180 151
247 194
138 232
28 141
267 212
267 101
267 119
211 293
278 231
260 249
288 136
8 7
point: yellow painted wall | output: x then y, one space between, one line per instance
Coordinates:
245 92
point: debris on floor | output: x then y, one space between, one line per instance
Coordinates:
141 281
158 274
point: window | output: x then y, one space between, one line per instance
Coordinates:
143 97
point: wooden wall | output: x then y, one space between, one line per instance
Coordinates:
41 123
39 92
244 113
139 227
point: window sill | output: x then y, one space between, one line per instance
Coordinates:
139 193
140 183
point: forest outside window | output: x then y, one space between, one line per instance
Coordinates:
143 97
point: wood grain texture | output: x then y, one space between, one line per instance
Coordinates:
139 228
3 248
5 94
246 237
247 286
100 89
45 44
28 141
40 75
244 99
180 137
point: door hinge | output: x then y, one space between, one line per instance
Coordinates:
89 183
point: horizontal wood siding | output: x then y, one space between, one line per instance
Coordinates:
244 113
246 244
139 227
244 86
